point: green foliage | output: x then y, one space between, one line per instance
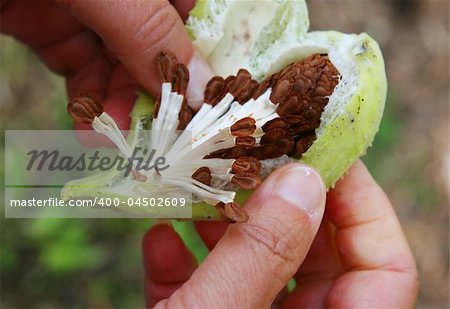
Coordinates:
69 250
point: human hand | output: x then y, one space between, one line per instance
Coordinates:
105 48
359 257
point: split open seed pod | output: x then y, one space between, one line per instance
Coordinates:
281 94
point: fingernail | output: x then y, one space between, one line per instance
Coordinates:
301 186
199 75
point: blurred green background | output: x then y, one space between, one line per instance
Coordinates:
61 263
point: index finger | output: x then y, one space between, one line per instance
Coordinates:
136 31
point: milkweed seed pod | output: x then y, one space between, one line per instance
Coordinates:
280 94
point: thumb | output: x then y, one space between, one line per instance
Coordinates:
254 261
135 32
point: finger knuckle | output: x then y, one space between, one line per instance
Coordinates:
152 32
278 242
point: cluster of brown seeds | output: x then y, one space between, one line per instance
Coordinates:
300 92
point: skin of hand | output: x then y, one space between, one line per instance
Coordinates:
351 254
103 48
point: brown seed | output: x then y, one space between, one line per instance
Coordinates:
243 127
278 148
299 124
217 154
303 143
268 82
229 153
284 144
272 135
290 106
276 123
302 84
245 141
311 114
166 65
281 90
242 77
231 212
246 181
181 79
184 117
84 109
270 151
229 82
261 88
215 90
255 152
248 90
322 91
287 70
234 153
203 175
242 86
246 165
309 73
